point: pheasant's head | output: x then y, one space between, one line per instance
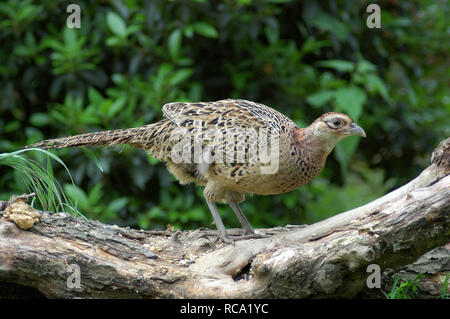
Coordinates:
332 127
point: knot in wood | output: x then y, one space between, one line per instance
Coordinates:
441 156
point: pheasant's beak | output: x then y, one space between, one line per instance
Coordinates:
357 130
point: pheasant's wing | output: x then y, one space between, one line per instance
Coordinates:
238 123
226 114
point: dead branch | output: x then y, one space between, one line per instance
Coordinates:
326 259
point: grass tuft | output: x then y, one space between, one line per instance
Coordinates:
40 180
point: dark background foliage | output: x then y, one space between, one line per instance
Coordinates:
303 58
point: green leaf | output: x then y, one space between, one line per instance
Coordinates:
324 21
195 213
114 41
161 76
155 212
95 194
119 79
11 126
174 43
205 29
39 119
117 204
95 96
272 33
188 31
350 100
77 195
375 84
116 24
180 76
117 106
94 158
320 98
338 65
311 45
365 66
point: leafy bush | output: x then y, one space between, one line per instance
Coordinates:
130 57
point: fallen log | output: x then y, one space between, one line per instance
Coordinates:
60 256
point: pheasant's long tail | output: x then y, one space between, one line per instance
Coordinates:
131 136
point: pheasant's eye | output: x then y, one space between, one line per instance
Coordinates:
335 123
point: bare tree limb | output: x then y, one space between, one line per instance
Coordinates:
326 259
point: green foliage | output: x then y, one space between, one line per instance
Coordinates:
408 289
444 292
32 176
325 199
305 58
91 203
404 289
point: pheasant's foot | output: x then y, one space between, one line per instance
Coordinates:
230 239
249 236
225 238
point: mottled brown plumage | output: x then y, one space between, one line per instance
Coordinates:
232 147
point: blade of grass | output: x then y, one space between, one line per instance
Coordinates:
445 287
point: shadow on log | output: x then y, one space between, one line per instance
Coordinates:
45 251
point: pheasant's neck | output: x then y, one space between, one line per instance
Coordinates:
315 143
328 145
309 146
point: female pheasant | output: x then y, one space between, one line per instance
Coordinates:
232 147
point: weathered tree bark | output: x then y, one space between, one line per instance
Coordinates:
429 271
326 259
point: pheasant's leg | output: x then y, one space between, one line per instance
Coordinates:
242 219
248 229
219 224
